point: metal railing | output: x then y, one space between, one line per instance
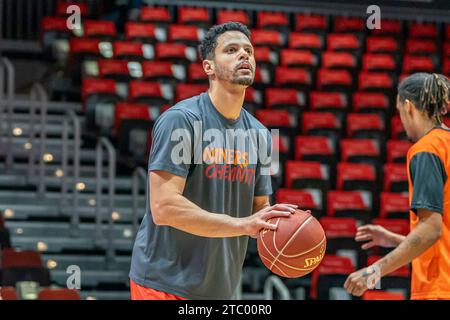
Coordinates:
37 94
139 174
75 216
102 144
7 81
274 283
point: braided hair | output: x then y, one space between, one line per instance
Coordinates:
430 93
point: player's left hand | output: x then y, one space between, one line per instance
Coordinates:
359 282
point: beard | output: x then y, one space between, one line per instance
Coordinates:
234 76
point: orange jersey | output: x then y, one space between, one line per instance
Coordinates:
428 165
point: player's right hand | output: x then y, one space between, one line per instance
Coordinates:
262 219
375 235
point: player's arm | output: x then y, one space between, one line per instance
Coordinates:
260 202
426 233
169 207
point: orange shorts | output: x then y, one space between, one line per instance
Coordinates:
139 292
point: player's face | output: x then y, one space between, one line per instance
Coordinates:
404 111
234 60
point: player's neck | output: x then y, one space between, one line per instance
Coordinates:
426 126
227 100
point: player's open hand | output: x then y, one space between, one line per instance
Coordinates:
264 219
375 235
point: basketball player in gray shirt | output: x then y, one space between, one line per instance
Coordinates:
206 191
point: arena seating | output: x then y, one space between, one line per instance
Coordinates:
326 82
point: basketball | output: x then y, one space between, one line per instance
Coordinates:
297 246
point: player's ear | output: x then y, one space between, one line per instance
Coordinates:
409 107
208 66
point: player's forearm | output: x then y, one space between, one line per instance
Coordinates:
180 213
412 246
396 239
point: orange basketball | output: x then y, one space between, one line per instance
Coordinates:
297 246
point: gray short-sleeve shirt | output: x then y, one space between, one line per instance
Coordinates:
221 178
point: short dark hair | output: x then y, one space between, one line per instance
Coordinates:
430 92
209 43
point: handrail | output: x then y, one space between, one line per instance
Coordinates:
138 174
38 92
75 216
273 282
7 82
104 143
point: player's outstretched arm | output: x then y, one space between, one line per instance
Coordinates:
169 207
426 233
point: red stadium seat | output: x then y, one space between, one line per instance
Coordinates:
331 273
149 92
306 175
224 15
116 69
349 24
293 77
400 226
350 204
305 199
397 149
342 42
334 80
99 29
370 102
382 295
270 38
83 46
263 55
12 258
340 233
190 15
446 49
365 126
275 118
339 227
341 60
263 77
397 131
155 70
144 32
388 27
62 6
296 58
378 62
128 50
320 101
308 41
58 294
8 293
356 176
284 97
395 177
413 64
357 150
175 52
155 14
184 91
196 73
185 34
266 19
128 110
422 30
92 86
253 97
314 149
394 205
305 22
59 24
420 46
317 123
382 45
375 81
